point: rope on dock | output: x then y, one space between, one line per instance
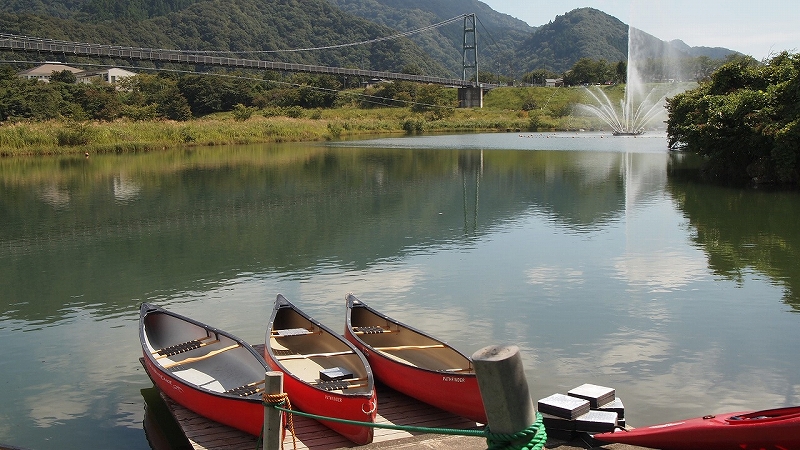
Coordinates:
276 400
532 438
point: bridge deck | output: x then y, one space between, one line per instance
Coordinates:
32 44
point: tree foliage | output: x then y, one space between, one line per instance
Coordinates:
745 121
588 71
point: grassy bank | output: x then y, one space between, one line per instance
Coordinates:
505 109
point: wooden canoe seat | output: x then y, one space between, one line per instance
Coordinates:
247 389
183 347
199 358
371 330
291 332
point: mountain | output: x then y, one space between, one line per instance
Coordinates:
590 33
498 34
711 52
263 29
581 33
275 29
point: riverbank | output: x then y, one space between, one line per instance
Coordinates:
509 110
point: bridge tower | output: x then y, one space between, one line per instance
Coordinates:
470 97
470 55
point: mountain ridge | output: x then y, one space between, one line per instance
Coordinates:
275 29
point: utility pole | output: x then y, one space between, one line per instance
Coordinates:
470 56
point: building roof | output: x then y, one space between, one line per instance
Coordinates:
47 69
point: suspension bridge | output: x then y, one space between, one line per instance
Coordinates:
469 90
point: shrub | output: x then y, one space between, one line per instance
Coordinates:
78 134
241 112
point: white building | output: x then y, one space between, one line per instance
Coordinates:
112 75
43 73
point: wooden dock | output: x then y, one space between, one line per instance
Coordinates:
393 408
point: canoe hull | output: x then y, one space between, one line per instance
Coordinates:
243 414
776 429
313 401
302 355
226 363
455 391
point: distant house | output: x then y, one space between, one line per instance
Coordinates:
373 82
44 71
112 75
554 82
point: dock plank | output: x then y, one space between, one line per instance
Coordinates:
393 408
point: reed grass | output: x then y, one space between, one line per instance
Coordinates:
505 109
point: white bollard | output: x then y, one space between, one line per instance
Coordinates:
504 389
273 426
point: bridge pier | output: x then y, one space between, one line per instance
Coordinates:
470 97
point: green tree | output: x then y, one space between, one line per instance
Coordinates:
745 121
538 76
63 76
146 94
589 71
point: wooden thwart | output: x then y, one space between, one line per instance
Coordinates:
409 347
199 358
313 355
349 380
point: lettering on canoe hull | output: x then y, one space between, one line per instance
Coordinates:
453 379
162 377
333 399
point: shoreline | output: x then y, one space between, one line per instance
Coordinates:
55 138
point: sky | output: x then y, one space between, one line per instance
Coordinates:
756 28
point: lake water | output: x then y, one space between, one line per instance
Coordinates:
593 254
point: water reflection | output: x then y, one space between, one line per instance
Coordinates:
579 249
750 231
216 219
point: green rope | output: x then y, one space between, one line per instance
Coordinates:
532 438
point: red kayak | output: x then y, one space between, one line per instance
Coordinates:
772 429
205 369
415 363
324 374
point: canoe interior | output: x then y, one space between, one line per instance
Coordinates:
305 349
203 357
405 344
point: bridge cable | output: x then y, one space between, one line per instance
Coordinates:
327 47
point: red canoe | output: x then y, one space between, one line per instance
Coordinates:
415 363
324 374
205 369
772 429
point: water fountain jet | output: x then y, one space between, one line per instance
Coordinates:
638 108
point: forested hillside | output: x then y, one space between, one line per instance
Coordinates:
582 33
498 34
256 28
265 29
